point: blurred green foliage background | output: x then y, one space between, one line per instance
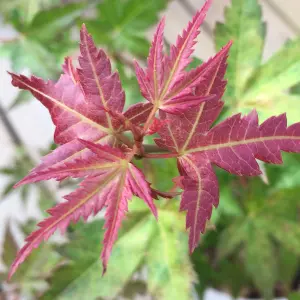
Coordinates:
252 246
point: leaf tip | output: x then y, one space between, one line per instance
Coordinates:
12 270
104 269
18 184
83 27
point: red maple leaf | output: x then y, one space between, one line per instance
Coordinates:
86 106
233 145
160 83
109 180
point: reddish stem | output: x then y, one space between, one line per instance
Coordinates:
133 152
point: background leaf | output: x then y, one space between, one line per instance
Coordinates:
260 263
83 273
170 272
117 22
279 73
243 24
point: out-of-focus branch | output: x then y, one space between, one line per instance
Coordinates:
124 60
10 40
17 141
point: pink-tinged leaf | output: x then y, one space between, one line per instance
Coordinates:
132 182
183 128
160 83
69 69
138 113
104 159
155 60
200 194
66 153
91 196
117 207
144 83
156 126
101 87
140 187
70 112
201 76
73 105
150 82
110 180
180 54
179 104
233 145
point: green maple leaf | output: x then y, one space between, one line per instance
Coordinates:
31 279
250 81
36 45
267 229
123 24
142 243
170 273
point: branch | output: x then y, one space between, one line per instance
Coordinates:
17 141
10 40
153 149
121 58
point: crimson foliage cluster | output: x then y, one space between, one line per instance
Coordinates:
86 105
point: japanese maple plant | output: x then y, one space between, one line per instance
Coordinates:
98 141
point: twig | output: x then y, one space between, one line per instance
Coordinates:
11 40
281 14
123 59
160 155
153 149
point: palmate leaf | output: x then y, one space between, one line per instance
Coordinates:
31 278
266 235
81 273
249 239
250 81
74 108
260 262
27 9
26 52
279 73
243 24
110 180
172 90
141 245
170 273
34 47
117 22
86 106
47 23
233 145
